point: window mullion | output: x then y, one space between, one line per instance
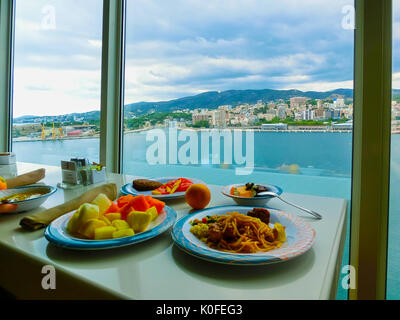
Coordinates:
371 147
7 9
112 84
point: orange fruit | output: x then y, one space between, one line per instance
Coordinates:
198 196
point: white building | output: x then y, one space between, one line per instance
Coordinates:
297 102
267 116
308 114
218 118
200 116
339 103
282 111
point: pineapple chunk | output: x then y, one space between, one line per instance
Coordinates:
123 233
113 216
102 202
88 211
106 220
85 212
104 232
139 221
153 212
88 228
120 224
72 226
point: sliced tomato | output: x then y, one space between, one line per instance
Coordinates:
166 188
8 207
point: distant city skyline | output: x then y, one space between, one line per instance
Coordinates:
192 47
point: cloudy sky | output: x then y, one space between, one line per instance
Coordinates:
177 48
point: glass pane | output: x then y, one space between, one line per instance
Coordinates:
57 73
393 276
274 78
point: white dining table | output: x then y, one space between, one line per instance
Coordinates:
157 269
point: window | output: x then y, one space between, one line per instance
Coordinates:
282 71
57 76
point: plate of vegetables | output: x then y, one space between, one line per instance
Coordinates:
247 194
104 224
164 188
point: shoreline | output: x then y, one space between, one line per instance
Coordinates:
255 129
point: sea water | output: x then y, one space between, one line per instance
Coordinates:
317 163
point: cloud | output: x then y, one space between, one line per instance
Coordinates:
178 48
62 91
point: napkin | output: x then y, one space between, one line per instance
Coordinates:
44 218
26 179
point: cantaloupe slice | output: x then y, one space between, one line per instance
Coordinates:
139 203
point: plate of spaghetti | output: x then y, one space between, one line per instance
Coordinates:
241 235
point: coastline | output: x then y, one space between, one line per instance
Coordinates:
255 129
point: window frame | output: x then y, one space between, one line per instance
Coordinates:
7 23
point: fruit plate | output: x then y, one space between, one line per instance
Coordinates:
300 238
129 189
57 234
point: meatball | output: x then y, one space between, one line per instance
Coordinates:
260 213
214 232
229 232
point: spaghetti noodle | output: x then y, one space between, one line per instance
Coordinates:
239 233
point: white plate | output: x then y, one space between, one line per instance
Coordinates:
300 238
30 204
255 201
57 234
129 189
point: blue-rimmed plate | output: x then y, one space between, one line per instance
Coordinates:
31 203
129 189
300 238
57 234
255 201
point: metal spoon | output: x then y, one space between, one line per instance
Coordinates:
272 194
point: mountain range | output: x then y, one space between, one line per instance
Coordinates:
209 100
214 99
